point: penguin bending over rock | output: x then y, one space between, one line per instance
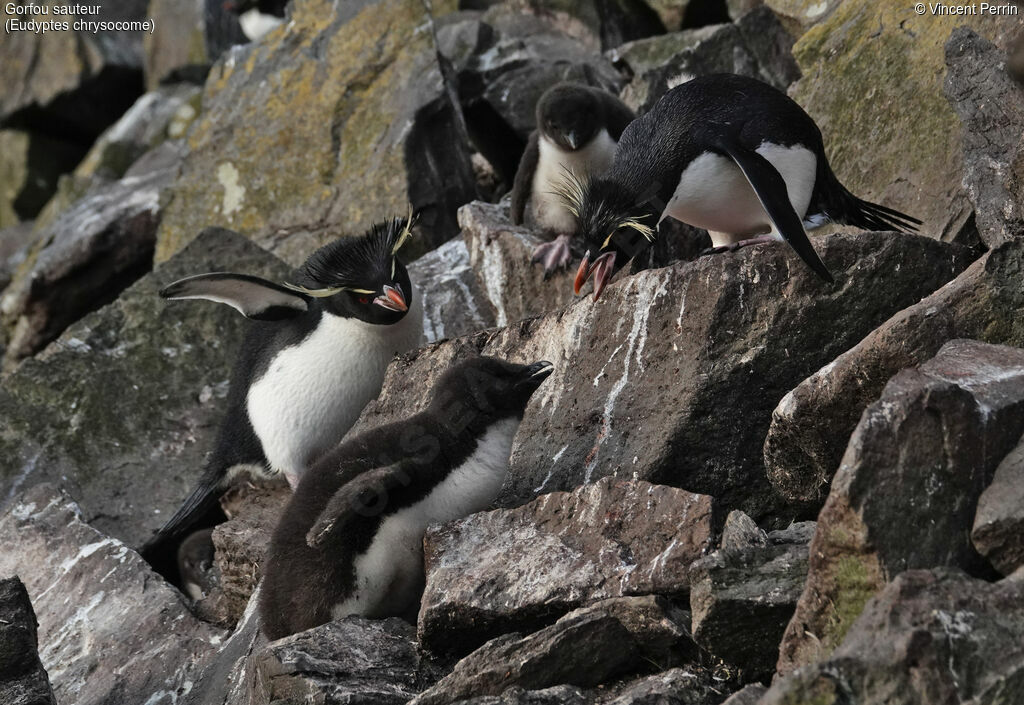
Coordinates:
350 541
577 130
726 153
314 356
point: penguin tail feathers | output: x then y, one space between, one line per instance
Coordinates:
202 499
872 216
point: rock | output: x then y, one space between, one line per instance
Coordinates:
740 531
998 532
228 677
163 113
30 165
929 637
991 106
187 38
241 542
676 686
738 8
519 569
812 423
905 494
500 254
584 648
23 680
756 46
14 244
800 15
899 146
750 695
111 630
598 25
342 142
163 368
504 61
453 300
93 251
67 82
742 600
640 376
353 660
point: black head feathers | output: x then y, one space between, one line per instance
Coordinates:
605 210
355 264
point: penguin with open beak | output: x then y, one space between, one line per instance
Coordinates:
350 541
314 355
577 131
726 153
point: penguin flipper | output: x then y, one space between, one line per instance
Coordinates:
771 190
251 296
523 183
364 496
203 497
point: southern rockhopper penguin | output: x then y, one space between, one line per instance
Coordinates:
314 355
577 130
350 541
725 153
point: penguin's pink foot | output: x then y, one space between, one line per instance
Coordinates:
737 245
553 255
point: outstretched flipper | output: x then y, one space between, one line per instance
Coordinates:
523 183
364 496
771 191
251 296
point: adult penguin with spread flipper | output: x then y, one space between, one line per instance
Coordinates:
726 153
577 130
314 356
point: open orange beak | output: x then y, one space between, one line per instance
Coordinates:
601 270
392 299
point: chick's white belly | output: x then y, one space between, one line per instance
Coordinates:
553 168
389 575
714 194
313 392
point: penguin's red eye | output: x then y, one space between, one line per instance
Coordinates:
364 299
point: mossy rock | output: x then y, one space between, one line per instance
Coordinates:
873 81
333 122
122 408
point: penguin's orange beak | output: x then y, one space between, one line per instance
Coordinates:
600 269
392 299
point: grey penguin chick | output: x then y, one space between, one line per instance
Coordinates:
578 128
350 541
726 153
195 564
314 355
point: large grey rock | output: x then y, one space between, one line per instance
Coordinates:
122 409
354 660
344 140
905 494
689 685
23 680
518 569
929 637
740 531
742 600
749 695
453 299
555 695
998 531
14 244
111 631
584 648
643 376
990 105
93 251
812 424
757 46
70 82
188 37
500 254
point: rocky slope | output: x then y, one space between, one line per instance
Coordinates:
739 485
